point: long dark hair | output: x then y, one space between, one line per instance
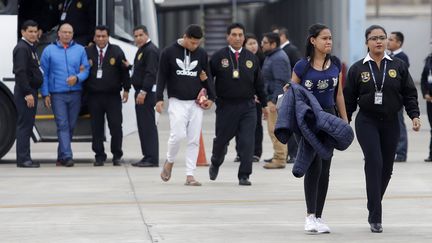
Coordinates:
259 53
314 31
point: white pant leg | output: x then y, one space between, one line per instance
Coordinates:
193 137
177 111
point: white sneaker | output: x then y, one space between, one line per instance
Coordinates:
311 224
322 228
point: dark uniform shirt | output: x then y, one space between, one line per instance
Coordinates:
398 89
426 84
114 73
81 14
145 67
26 67
248 84
293 54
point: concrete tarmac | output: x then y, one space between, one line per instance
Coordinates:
128 204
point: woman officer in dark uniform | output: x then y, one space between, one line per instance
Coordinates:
380 86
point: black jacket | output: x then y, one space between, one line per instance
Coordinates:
26 67
249 83
398 90
181 77
115 74
293 54
81 14
426 87
145 67
403 57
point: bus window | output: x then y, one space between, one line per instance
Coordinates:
124 19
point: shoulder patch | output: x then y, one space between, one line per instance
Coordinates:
392 73
365 76
249 64
112 61
225 63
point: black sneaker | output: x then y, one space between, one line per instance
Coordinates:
428 159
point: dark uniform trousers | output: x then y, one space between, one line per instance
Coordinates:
378 139
259 134
235 118
25 123
111 105
147 129
429 113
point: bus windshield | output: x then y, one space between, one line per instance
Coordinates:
124 18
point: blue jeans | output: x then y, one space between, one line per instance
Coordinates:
402 147
66 107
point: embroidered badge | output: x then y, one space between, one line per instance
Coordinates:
79 5
392 73
308 84
112 61
139 56
225 63
365 76
90 62
249 64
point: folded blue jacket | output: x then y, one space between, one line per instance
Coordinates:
58 63
320 132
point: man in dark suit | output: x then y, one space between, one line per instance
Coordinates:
28 79
108 76
145 70
394 45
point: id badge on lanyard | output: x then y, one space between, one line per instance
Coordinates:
99 73
429 78
378 98
63 16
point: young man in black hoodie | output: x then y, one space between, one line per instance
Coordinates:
144 81
237 79
107 77
28 79
183 70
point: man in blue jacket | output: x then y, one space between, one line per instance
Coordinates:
65 67
276 73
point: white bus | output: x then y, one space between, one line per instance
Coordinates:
120 15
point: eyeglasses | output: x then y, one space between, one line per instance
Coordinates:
375 38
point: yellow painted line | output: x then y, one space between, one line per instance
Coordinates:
51 117
44 117
201 202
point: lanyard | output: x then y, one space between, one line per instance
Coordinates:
66 5
237 61
373 76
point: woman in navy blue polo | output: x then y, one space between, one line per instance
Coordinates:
320 73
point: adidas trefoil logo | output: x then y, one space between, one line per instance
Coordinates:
186 67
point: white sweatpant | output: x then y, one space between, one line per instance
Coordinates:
185 121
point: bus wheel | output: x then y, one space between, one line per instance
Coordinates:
7 124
